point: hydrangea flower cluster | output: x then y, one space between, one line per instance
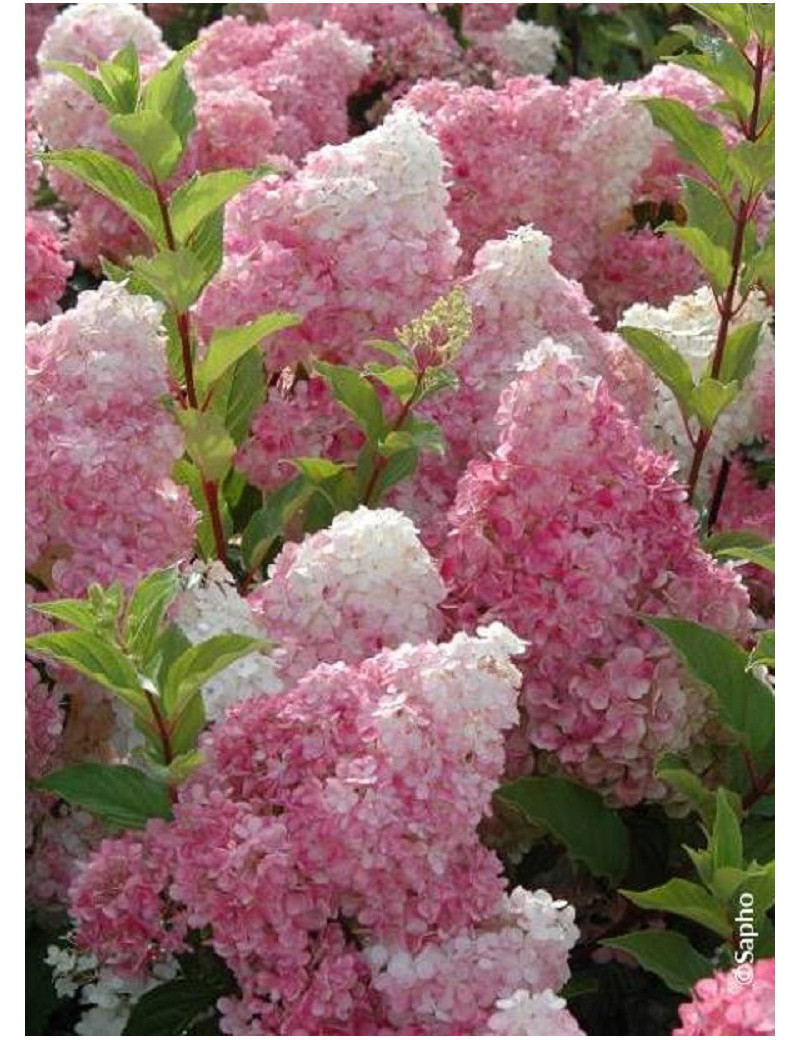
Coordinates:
570 155
305 75
516 49
723 1006
46 270
357 587
94 422
690 325
282 839
358 242
569 530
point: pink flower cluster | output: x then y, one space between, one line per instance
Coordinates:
361 780
100 446
567 532
46 270
302 74
37 18
570 157
723 1006
358 242
362 585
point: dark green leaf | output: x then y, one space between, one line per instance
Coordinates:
763 555
172 1009
399 466
357 396
267 525
239 394
206 242
667 954
764 651
740 352
117 182
746 705
577 818
685 899
119 795
707 211
726 540
228 346
426 435
698 142
726 838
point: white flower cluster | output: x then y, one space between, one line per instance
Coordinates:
108 999
527 48
87 33
690 324
363 584
211 606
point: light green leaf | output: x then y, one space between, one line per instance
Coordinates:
764 651
726 837
228 346
201 662
94 657
151 139
75 612
710 398
77 73
706 210
177 275
119 795
426 435
208 443
117 182
204 194
731 18
726 66
120 76
734 540
698 142
206 242
666 362
397 440
240 393
753 162
763 555
168 92
713 259
357 396
760 884
740 352
401 380
317 469
761 18
685 899
395 350
146 609
577 818
674 772
667 954
745 704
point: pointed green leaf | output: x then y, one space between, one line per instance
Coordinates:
267 525
146 609
120 76
357 396
399 467
713 259
208 443
401 380
674 772
763 555
168 92
240 393
734 540
151 139
206 242
119 795
745 704
395 350
731 18
764 651
726 837
685 899
86 81
706 210
175 1008
205 193
710 398
317 469
75 612
760 884
94 657
228 346
202 662
740 353
117 182
177 275
577 818
426 435
728 68
666 362
698 142
667 954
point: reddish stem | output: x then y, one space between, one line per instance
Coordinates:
380 463
163 729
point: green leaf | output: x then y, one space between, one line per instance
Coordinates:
94 657
435 381
713 259
576 817
208 443
93 86
151 139
397 440
317 469
173 1009
267 525
760 884
710 398
740 352
395 350
146 609
120 76
239 394
120 795
176 274
746 705
202 662
426 435
402 381
764 651
686 899
75 612
674 772
228 346
706 210
761 18
726 66
763 555
188 726
666 362
725 881
760 268
753 162
204 194
117 182
168 93
701 860
726 838
667 954
726 540
759 838
206 242
698 142
730 18
401 465
357 396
